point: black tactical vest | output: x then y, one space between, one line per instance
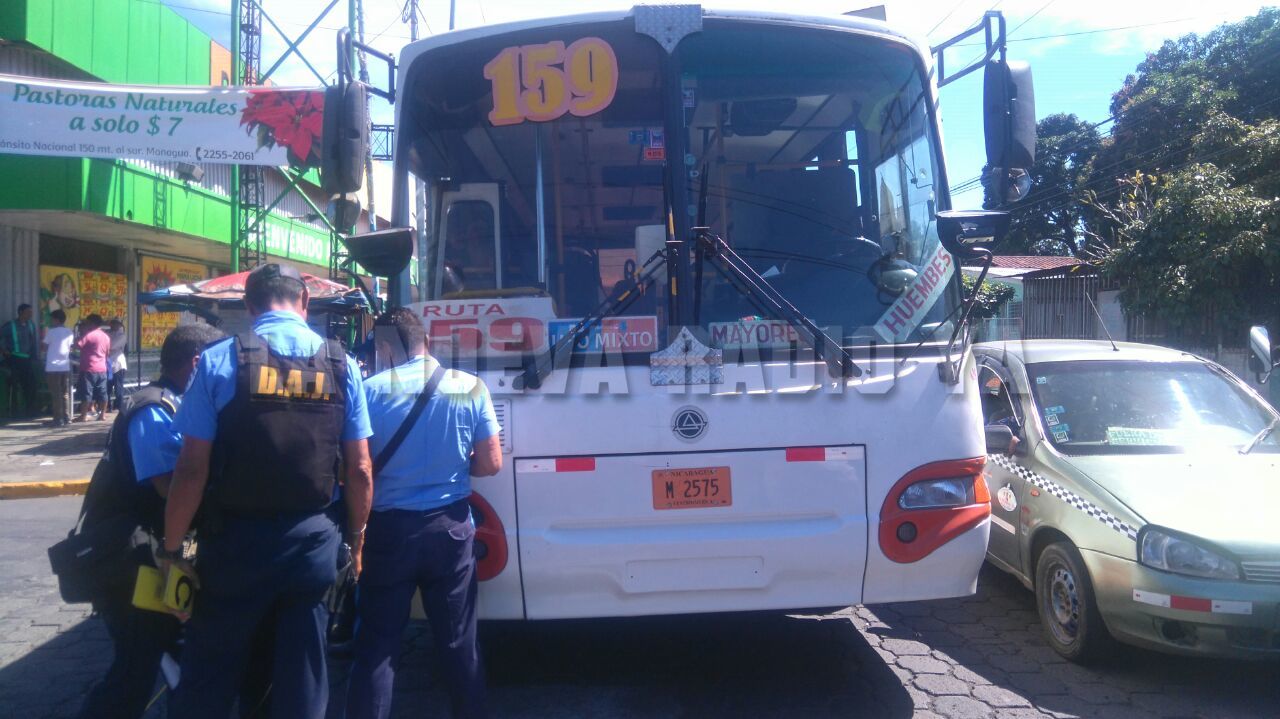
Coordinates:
278 441
114 488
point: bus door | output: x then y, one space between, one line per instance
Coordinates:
471 238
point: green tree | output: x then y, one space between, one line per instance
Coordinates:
991 297
1181 200
1049 220
1202 241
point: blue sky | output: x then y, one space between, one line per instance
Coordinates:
1080 50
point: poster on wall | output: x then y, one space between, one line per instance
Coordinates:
81 293
157 274
228 125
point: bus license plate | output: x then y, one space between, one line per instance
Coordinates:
692 488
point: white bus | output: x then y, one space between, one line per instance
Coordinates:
695 257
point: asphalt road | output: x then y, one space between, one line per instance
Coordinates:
976 657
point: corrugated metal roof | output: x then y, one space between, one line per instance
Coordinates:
1033 262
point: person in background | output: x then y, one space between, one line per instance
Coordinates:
421 535
57 367
77 373
94 346
18 350
268 415
117 362
144 446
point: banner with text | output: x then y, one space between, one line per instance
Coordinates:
229 125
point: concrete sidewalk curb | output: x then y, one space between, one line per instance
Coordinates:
37 490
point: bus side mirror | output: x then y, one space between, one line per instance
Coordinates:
965 232
1009 124
344 138
384 253
1260 352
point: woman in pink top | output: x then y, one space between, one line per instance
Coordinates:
94 348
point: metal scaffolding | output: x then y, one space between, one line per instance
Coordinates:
248 191
251 249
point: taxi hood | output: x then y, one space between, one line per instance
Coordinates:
1224 497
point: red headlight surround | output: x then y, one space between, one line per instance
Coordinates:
933 527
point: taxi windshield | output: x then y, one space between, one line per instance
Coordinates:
1130 407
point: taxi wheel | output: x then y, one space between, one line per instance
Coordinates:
1067 607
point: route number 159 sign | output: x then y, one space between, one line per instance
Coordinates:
541 83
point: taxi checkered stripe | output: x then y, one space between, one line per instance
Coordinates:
1067 496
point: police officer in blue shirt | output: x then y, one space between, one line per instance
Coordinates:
421 535
143 449
267 418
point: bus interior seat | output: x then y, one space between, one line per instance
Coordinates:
580 271
807 211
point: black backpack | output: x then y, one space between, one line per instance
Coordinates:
112 535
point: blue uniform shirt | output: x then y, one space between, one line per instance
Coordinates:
432 468
153 443
215 381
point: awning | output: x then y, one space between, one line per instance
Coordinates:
227 292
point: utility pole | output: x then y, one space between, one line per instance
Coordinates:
368 152
233 192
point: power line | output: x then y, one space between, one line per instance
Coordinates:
974 181
1144 154
1077 33
224 13
1033 17
1174 168
1007 35
946 17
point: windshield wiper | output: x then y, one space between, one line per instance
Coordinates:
709 247
623 295
1261 435
742 277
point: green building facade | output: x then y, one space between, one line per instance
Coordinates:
148 222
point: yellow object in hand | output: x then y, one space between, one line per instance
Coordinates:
179 591
153 593
148 592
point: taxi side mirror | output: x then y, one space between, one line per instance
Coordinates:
1000 440
1260 353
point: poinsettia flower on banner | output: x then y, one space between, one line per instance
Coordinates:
291 119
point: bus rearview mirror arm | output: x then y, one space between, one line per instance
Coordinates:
960 233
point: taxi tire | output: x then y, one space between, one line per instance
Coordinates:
1092 640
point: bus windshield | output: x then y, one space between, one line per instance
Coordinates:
552 164
820 173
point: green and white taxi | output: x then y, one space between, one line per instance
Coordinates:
1136 489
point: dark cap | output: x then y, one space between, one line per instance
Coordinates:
270 271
